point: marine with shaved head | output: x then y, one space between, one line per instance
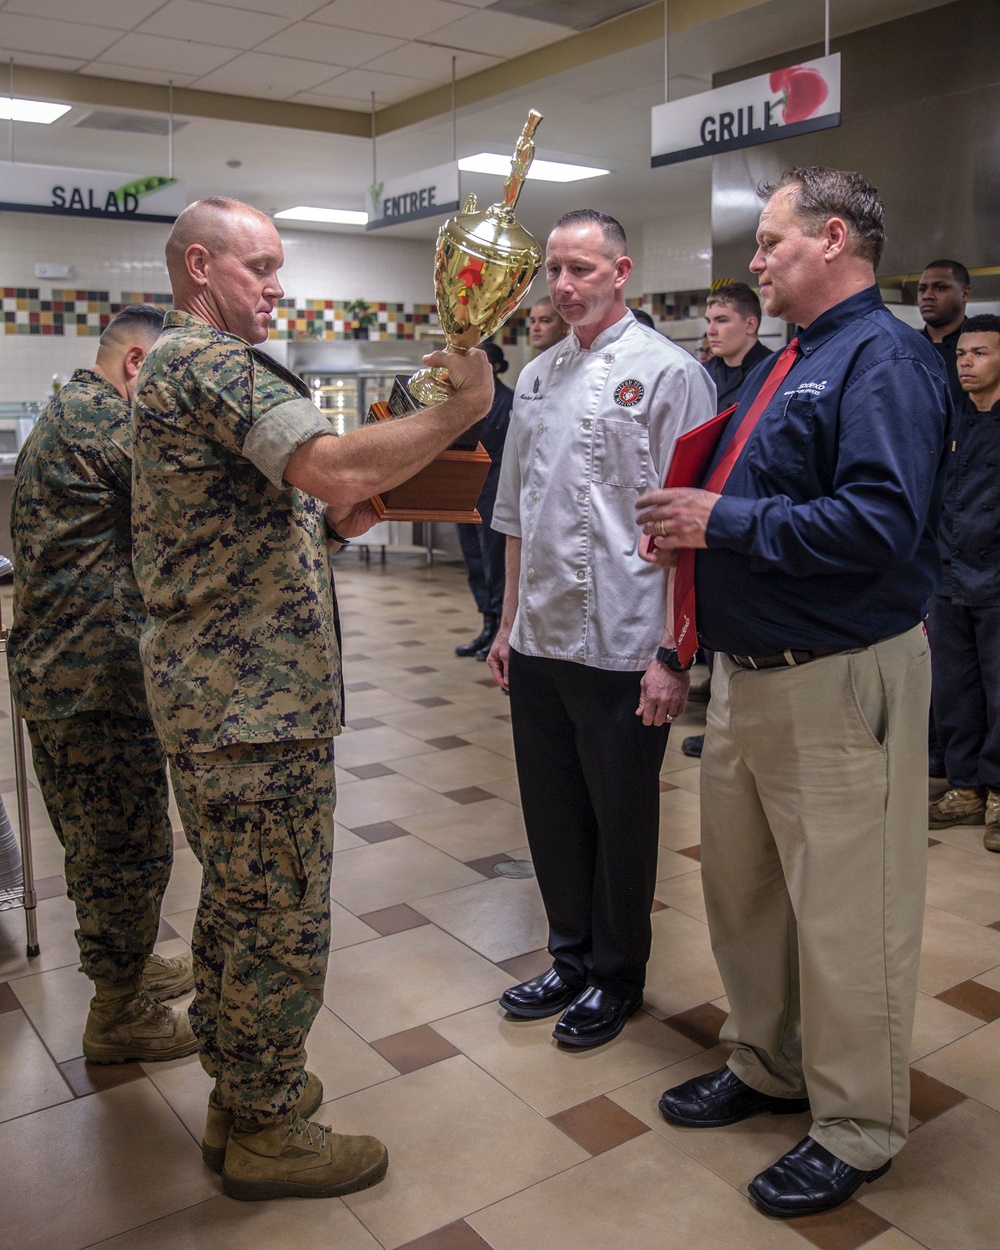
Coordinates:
241 485
73 658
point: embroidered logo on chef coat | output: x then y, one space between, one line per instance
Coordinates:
534 389
628 393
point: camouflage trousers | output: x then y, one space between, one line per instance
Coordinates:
259 817
103 778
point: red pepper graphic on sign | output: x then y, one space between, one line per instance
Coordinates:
469 275
802 90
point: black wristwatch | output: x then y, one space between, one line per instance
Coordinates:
668 656
333 537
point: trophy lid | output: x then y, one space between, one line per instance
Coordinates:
494 232
489 236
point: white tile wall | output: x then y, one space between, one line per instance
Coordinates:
128 256
677 252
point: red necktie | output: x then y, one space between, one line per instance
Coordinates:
685 632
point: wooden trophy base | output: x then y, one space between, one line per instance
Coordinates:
447 489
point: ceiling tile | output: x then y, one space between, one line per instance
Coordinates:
358 84
269 77
291 10
34 34
423 60
332 44
499 34
169 55
102 69
118 14
409 21
209 23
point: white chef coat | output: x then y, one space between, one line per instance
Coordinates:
591 430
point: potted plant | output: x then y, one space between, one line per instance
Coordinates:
363 316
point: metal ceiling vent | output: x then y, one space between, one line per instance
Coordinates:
576 14
128 123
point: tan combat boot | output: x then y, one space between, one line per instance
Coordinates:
167 978
126 1024
298 1159
961 805
991 837
218 1122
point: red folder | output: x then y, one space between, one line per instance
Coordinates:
691 457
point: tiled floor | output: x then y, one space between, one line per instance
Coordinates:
497 1138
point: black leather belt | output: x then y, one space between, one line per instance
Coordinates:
786 659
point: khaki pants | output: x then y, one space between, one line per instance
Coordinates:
814 857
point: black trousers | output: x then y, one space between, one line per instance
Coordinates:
965 690
485 552
588 771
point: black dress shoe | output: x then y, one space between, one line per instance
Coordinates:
807 1180
594 1017
720 1098
693 746
541 996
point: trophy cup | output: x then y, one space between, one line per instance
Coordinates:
483 266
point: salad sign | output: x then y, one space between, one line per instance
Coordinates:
792 101
65 192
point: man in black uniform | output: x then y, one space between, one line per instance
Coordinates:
733 317
964 618
482 547
942 293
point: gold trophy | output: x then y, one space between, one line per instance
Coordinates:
483 266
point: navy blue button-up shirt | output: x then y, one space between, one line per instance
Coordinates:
826 532
970 528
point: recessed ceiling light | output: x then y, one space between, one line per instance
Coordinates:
544 171
30 110
336 216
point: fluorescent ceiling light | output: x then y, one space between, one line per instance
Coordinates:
335 216
544 171
30 110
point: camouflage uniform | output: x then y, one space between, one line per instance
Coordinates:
73 658
242 661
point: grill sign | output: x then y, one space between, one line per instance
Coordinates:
792 101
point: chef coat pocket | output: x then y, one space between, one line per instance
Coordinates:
621 453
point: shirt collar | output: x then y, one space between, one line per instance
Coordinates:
949 340
177 318
836 318
91 378
970 409
606 337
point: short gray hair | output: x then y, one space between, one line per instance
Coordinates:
822 193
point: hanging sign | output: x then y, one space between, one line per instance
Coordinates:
89 193
792 101
431 193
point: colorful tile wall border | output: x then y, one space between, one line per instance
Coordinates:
67 311
85 313
325 319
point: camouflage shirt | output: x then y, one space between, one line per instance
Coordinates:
74 643
240 642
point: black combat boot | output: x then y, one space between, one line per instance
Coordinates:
489 633
484 638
